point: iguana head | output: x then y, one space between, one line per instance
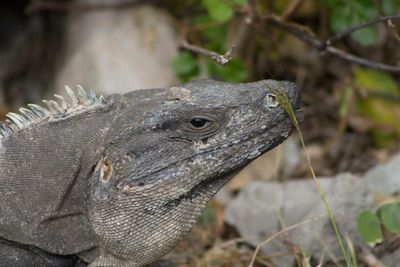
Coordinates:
169 153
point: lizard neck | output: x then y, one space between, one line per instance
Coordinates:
47 165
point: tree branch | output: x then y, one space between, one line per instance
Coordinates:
218 58
304 35
354 28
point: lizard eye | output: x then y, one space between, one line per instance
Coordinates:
200 124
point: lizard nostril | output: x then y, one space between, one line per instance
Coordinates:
271 100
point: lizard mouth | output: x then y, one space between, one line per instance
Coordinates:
158 176
211 185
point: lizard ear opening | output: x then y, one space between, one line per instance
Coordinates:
106 169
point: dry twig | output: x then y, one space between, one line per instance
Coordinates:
218 58
304 35
393 30
354 28
370 259
287 229
292 6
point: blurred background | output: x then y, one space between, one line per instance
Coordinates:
352 112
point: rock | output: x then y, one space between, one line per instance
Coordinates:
292 155
385 179
347 197
118 50
266 167
255 211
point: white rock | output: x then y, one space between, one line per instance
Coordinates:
255 211
118 50
385 179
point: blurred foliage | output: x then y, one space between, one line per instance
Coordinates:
185 66
218 10
369 228
372 93
210 23
381 111
370 225
345 14
216 13
390 7
390 216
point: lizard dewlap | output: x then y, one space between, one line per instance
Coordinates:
120 180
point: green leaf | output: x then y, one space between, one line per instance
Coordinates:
214 37
383 139
390 7
218 10
376 80
345 14
390 216
369 228
367 36
340 19
200 19
185 66
382 113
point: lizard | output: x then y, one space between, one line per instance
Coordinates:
119 180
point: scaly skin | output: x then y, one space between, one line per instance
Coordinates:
120 181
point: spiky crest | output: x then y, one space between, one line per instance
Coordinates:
75 102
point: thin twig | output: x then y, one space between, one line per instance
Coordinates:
305 36
354 28
218 58
388 246
370 259
393 29
299 31
361 61
292 6
287 229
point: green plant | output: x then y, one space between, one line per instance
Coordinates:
348 256
370 224
382 112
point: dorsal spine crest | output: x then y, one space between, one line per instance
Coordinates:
75 102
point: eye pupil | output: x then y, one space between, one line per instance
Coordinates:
198 122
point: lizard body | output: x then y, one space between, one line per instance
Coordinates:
119 180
